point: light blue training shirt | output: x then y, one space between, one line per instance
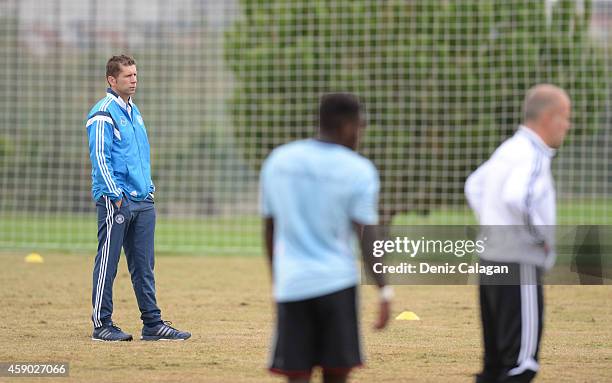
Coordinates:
314 190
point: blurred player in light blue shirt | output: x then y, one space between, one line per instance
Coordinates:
314 189
315 195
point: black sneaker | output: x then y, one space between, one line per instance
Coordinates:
110 333
164 331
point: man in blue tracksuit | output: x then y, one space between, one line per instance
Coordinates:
123 191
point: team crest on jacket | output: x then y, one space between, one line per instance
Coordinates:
123 121
119 218
140 121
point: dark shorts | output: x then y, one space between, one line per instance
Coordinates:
321 331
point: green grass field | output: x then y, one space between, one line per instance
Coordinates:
222 235
226 303
224 299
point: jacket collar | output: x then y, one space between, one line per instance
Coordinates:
120 100
536 140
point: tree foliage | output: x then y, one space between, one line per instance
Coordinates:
442 81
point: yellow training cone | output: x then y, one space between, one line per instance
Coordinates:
407 315
34 258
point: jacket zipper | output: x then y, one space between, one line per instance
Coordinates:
138 146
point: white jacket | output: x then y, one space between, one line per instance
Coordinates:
515 188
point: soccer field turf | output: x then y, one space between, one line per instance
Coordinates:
226 303
228 235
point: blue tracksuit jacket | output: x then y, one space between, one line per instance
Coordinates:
119 150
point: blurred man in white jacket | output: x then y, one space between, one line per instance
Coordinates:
515 188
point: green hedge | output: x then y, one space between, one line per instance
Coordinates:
442 81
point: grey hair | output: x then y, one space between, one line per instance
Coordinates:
540 98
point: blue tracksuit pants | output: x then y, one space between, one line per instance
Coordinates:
131 227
